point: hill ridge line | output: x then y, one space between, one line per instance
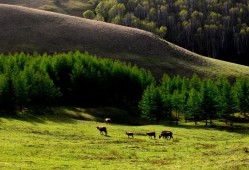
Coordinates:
28 30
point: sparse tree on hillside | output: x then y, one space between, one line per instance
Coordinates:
162 31
88 14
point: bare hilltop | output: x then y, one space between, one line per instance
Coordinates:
28 30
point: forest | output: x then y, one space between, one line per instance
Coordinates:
214 28
73 78
79 79
196 99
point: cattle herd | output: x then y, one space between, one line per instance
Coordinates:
164 134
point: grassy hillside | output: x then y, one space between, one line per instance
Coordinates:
59 142
70 7
28 30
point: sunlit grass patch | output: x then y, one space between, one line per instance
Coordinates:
77 144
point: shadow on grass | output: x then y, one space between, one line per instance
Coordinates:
241 128
118 116
66 114
37 116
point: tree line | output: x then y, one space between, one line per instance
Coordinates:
196 99
215 28
79 79
73 78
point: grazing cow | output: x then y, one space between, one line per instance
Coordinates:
166 134
151 134
129 134
102 129
108 121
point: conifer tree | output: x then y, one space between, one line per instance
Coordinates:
226 100
241 88
151 104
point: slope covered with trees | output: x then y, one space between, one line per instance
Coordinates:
219 29
28 30
215 28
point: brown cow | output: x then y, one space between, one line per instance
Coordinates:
151 134
129 134
165 134
102 129
108 121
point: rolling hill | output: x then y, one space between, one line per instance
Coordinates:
28 30
69 7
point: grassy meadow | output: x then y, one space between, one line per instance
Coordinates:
61 142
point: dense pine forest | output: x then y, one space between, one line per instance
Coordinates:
214 28
196 99
77 79
69 79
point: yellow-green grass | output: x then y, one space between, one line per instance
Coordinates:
60 142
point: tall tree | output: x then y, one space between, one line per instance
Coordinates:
21 90
193 109
226 100
151 104
241 88
209 100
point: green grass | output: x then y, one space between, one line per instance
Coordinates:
52 142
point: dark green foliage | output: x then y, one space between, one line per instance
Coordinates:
21 89
80 79
196 99
62 65
226 100
193 109
3 89
241 88
151 104
209 100
42 90
73 79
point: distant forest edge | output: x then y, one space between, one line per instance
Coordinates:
76 78
215 28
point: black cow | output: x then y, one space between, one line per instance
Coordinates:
166 134
130 134
102 129
151 134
